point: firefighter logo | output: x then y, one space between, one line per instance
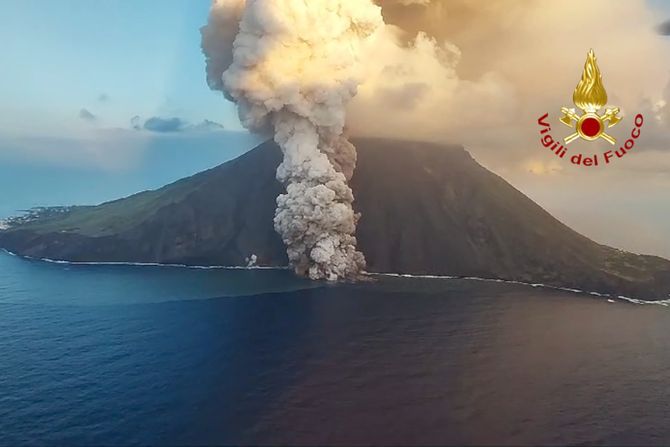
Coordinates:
590 96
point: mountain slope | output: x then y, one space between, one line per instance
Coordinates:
426 209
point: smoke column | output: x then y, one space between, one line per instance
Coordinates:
292 69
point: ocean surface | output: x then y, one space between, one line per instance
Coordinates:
93 354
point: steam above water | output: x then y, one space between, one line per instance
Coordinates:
292 70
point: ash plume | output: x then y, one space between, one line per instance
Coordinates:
292 68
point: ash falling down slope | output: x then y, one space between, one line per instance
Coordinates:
425 209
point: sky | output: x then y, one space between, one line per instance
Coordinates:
100 90
76 72
114 58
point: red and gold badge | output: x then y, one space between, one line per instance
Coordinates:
590 96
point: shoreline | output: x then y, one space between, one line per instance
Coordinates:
143 264
610 297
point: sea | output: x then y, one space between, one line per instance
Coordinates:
154 355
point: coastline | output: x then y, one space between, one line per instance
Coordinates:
610 298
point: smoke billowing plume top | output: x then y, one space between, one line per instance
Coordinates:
292 68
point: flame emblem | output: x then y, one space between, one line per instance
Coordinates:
590 96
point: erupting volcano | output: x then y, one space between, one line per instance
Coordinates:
292 68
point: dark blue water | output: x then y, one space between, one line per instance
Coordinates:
147 355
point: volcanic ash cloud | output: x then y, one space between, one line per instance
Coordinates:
292 69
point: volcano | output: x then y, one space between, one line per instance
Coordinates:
426 209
